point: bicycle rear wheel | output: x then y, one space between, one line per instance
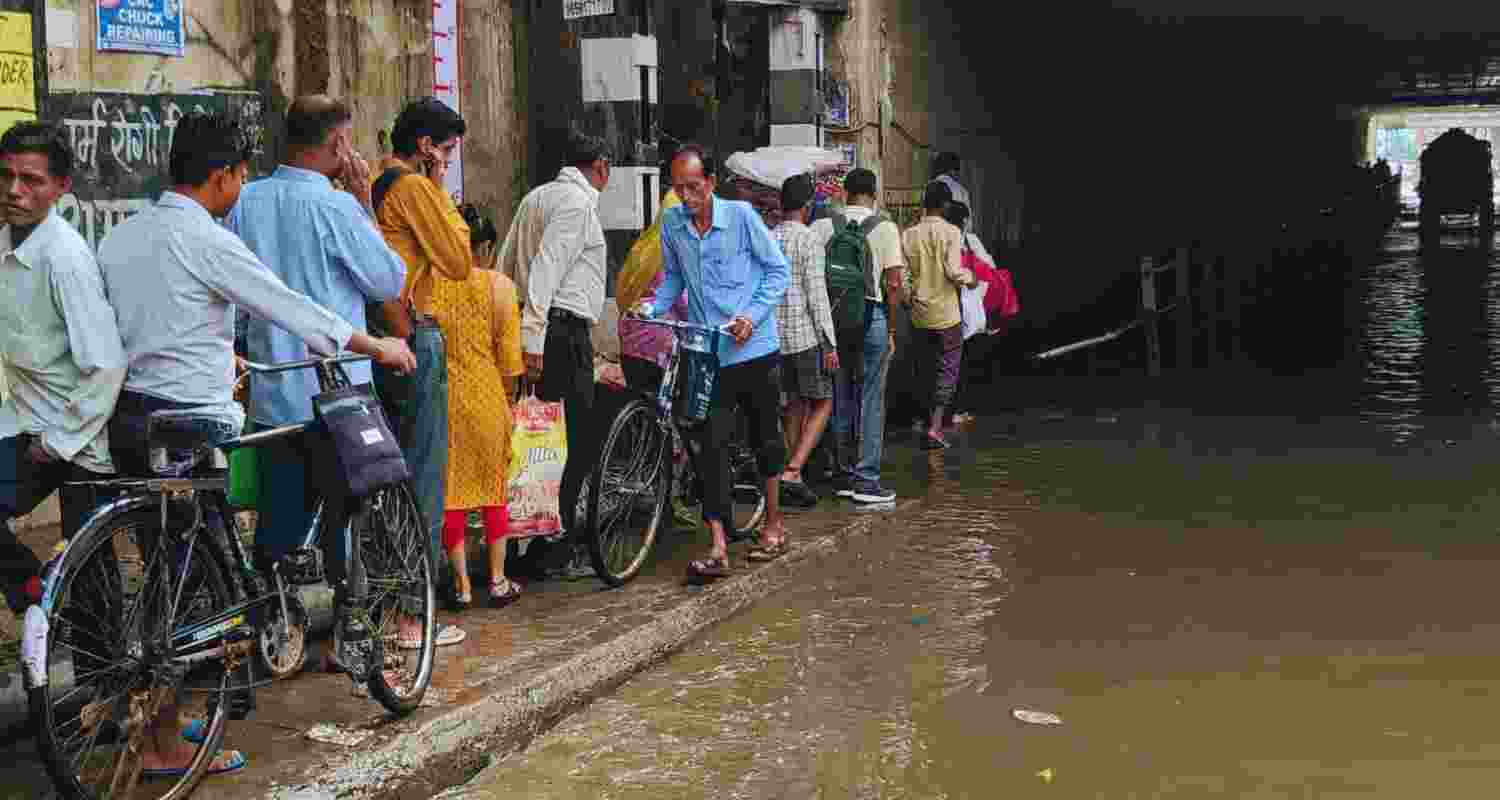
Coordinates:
399 596
747 492
112 612
628 493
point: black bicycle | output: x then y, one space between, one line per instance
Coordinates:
643 458
154 606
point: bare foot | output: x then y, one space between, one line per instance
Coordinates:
773 534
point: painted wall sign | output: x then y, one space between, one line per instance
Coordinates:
141 26
445 80
121 143
577 9
17 76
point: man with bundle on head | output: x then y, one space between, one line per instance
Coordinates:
735 277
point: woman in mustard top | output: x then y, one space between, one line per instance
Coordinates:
481 318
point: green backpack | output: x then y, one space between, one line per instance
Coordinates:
849 265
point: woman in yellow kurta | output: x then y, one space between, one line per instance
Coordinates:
482 321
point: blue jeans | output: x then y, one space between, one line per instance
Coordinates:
862 403
417 405
872 394
424 431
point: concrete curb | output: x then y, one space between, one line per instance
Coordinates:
514 712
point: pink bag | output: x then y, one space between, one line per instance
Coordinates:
1000 298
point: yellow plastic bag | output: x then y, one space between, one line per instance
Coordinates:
643 261
538 451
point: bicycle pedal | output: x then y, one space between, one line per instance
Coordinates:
354 651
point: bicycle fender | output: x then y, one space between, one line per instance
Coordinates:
94 522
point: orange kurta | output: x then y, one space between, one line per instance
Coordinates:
420 222
484 344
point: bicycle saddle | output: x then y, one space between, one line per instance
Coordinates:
181 440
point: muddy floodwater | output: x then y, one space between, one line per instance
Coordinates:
1258 583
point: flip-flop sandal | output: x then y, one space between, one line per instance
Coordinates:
709 568
225 762
768 552
502 597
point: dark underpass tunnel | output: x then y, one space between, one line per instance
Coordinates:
1240 139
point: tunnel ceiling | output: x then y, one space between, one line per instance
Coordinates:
1432 53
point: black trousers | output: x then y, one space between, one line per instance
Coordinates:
23 487
568 376
753 387
641 375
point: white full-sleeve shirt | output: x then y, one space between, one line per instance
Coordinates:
174 277
60 344
555 253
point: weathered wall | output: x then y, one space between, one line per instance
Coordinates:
377 54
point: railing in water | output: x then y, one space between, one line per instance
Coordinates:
1203 300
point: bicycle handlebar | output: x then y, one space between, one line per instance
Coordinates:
672 323
307 363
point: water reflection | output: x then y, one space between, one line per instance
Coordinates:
1391 341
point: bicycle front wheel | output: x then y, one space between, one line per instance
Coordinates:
399 595
115 692
628 493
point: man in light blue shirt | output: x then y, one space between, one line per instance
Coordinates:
735 276
323 243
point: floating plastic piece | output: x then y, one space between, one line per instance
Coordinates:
1036 717
333 734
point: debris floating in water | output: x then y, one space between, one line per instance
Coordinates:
334 734
1046 775
1036 717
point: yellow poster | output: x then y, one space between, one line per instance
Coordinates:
17 78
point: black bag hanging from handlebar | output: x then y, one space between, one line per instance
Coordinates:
697 375
366 455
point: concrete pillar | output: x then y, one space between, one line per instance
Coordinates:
796 62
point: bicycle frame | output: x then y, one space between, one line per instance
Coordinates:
208 495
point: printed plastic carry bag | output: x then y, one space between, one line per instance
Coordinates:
538 451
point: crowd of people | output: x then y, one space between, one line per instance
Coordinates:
326 255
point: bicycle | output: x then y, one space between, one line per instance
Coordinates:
144 609
638 468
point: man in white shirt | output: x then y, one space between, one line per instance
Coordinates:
60 347
555 253
865 364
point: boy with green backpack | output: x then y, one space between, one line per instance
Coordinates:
864 262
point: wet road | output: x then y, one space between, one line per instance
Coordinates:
1259 583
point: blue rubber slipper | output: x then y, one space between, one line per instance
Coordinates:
196 731
229 761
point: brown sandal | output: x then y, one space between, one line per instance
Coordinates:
769 551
